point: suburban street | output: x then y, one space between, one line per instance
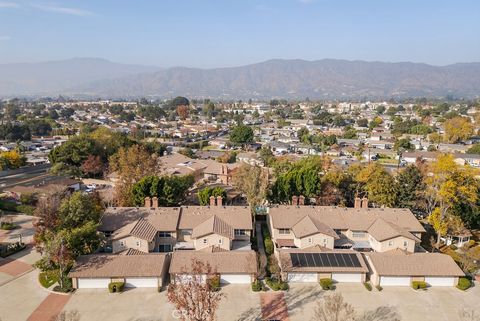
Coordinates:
25 175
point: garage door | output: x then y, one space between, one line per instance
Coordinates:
185 278
395 280
439 281
141 282
93 283
302 277
235 278
347 277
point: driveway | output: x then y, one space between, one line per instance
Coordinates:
241 304
21 297
435 304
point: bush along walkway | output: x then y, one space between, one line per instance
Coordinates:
262 256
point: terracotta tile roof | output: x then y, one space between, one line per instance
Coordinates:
213 225
286 216
108 265
287 266
399 263
222 262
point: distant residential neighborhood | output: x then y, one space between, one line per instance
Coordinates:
239 200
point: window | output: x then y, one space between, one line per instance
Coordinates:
164 234
219 241
358 234
204 241
122 243
390 243
309 240
284 231
139 243
240 232
405 243
324 241
186 232
165 248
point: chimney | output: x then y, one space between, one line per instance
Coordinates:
212 200
155 202
148 202
364 202
294 200
219 201
301 200
358 202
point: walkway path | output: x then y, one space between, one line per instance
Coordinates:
49 308
274 306
262 256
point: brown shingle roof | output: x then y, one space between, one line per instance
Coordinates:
286 216
213 225
382 230
413 264
144 230
222 262
308 226
238 217
105 265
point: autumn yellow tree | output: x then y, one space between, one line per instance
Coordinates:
379 185
253 182
448 185
11 160
458 129
131 165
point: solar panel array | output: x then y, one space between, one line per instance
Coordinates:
324 260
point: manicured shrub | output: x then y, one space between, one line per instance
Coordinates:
114 287
368 286
284 286
25 209
379 288
257 286
464 283
327 284
419 285
268 246
7 226
276 285
214 282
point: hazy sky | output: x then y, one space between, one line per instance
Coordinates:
217 33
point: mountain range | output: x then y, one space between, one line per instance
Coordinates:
294 79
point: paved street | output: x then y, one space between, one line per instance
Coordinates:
25 175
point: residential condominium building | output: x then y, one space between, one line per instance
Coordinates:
362 229
166 229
